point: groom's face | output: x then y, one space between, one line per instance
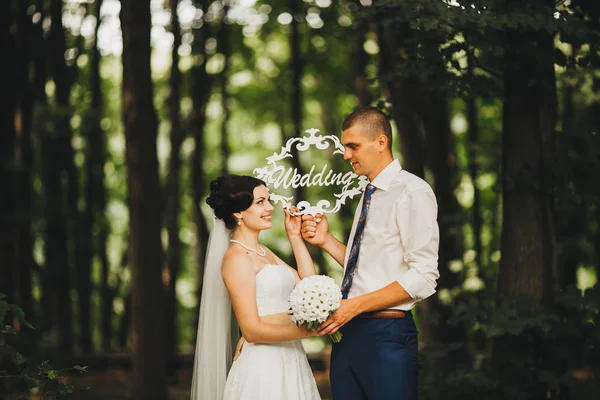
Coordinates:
362 151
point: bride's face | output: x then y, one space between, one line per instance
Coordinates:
258 215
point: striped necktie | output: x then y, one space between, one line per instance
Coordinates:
358 235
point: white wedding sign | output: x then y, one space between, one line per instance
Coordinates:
279 176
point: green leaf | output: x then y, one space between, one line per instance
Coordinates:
52 374
19 313
17 358
80 368
4 307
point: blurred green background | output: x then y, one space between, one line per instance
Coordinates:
116 115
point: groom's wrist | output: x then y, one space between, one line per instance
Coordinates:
328 242
358 305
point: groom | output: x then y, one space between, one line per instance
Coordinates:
390 264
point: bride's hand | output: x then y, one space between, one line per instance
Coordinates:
238 348
293 223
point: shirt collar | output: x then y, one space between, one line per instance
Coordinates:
384 179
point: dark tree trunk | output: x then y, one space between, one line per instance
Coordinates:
202 86
94 197
405 96
297 70
224 43
596 122
362 60
173 198
97 189
473 143
62 138
7 146
56 270
24 161
527 244
566 234
145 248
53 143
48 318
124 325
597 241
479 339
442 161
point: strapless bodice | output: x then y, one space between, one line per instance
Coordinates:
274 284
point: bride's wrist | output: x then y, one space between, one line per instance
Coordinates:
294 236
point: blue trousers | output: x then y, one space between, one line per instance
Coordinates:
377 359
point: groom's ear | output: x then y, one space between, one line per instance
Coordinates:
382 142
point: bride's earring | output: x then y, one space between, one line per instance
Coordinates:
239 221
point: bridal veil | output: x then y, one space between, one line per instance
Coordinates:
217 330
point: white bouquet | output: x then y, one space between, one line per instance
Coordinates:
313 300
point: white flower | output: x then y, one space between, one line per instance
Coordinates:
314 299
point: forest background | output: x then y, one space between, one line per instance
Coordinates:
116 115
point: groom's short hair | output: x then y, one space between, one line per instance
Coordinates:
372 120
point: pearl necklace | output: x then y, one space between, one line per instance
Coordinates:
264 252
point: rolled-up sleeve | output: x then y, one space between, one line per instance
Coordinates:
416 218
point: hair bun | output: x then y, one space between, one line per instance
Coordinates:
216 200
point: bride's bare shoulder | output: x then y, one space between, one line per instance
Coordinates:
235 260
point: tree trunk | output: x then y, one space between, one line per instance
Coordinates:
479 339
24 161
56 270
48 317
404 95
145 248
442 161
567 236
477 221
361 84
297 70
224 43
124 325
595 108
173 198
202 85
62 138
54 143
7 146
94 193
97 189
528 120
527 244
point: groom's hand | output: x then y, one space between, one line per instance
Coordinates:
345 313
315 229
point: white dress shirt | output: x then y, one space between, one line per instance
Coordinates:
401 237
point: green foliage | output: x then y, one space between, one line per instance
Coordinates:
18 376
554 350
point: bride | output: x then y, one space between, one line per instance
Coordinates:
270 362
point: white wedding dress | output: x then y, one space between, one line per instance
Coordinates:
273 371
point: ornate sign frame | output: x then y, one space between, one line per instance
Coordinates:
277 175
